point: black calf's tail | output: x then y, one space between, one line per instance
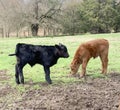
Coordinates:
16 50
11 54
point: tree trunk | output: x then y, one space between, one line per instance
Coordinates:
34 29
35 26
2 31
44 32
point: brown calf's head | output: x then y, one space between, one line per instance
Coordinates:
74 67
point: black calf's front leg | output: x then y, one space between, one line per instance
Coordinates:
47 74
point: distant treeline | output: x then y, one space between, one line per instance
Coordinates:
56 17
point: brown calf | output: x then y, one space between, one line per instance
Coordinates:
93 48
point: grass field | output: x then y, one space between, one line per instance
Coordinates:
61 69
98 92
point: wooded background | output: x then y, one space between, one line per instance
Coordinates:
57 17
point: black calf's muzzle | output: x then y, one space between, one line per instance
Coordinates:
67 55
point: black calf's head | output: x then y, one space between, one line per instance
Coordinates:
62 50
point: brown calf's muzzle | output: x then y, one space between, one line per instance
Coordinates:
73 70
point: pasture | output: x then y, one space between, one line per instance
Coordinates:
66 93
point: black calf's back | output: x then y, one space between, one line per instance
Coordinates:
33 54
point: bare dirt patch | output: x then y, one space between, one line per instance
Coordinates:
94 94
7 93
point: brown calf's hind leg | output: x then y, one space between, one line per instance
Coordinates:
104 60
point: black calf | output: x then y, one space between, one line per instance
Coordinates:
33 54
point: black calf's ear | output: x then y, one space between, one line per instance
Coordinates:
60 44
57 46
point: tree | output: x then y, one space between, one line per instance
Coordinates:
42 11
18 14
94 16
99 14
12 16
116 24
69 17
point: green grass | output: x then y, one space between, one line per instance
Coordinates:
59 72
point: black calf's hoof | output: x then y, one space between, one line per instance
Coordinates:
22 82
17 82
49 82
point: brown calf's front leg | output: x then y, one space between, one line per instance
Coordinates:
84 64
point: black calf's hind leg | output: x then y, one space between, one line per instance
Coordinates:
47 74
17 74
21 75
